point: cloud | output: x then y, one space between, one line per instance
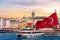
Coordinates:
22 2
26 6
27 2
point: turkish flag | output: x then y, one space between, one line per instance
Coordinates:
50 21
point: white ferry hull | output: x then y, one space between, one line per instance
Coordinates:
32 35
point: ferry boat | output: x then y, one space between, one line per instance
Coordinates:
29 32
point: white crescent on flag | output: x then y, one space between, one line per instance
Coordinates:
51 20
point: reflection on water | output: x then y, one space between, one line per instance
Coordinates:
13 36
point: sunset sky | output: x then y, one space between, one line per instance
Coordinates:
19 8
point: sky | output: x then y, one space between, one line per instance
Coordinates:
20 8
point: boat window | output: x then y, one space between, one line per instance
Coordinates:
36 32
27 29
28 32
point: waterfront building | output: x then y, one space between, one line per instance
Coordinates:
23 22
6 23
9 22
1 22
14 22
21 25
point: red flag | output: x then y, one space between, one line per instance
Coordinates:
51 21
38 24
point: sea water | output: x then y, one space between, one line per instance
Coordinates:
8 36
13 36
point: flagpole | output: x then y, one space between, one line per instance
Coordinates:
58 19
